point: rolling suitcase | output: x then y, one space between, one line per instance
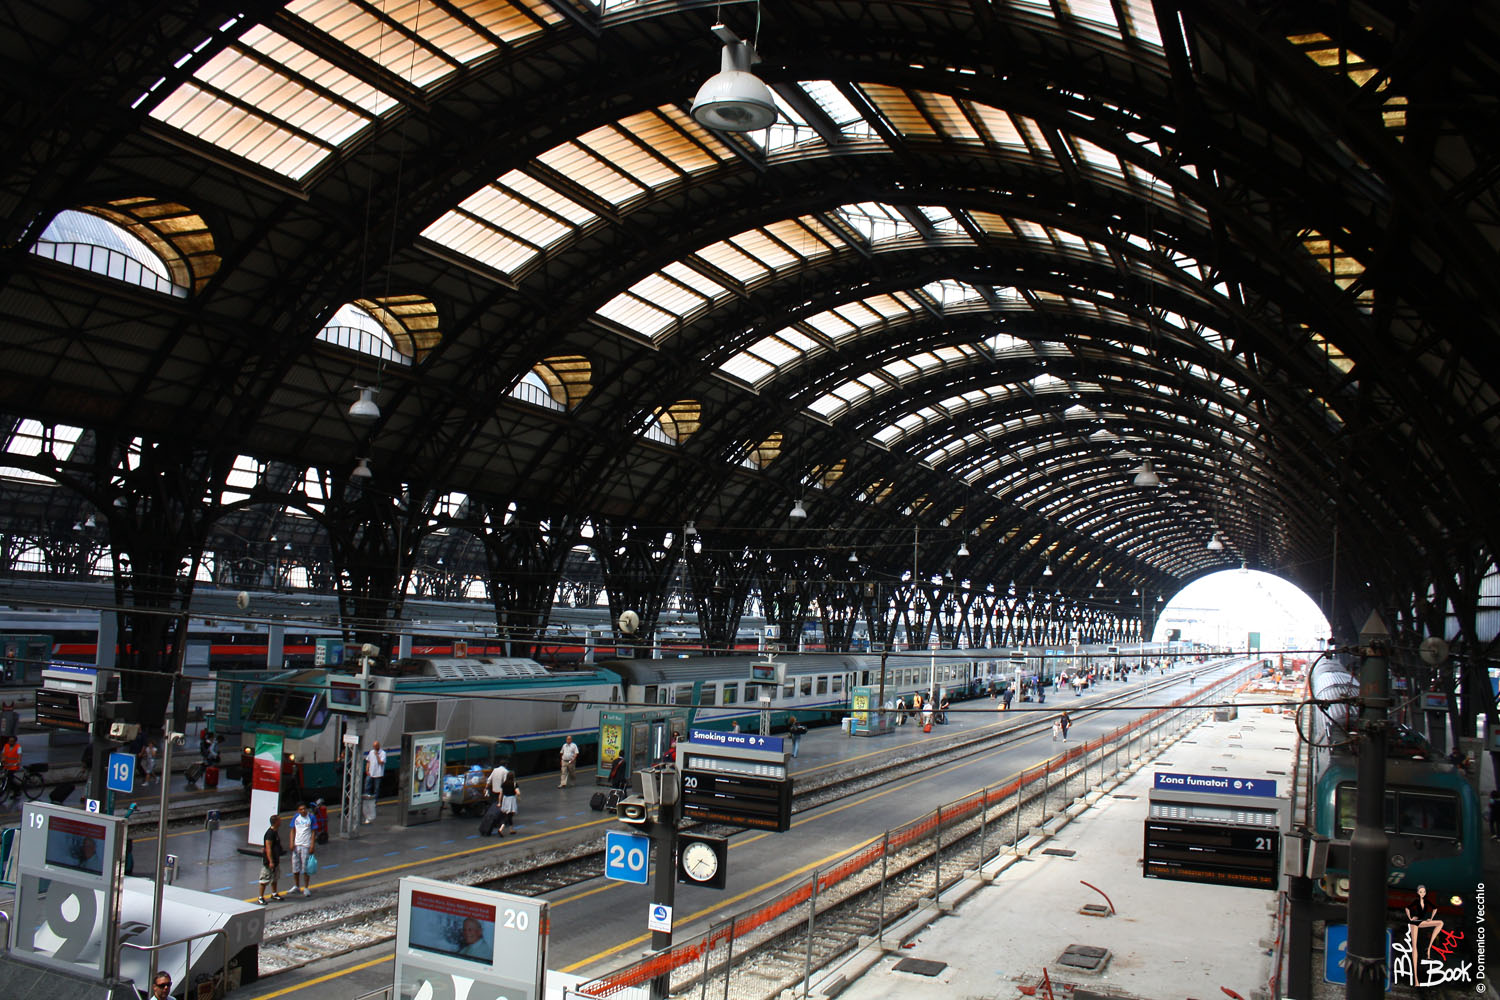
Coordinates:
193 773
596 801
211 776
491 820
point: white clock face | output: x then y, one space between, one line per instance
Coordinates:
699 861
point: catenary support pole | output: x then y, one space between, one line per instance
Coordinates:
1368 846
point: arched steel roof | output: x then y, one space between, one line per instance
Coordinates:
993 256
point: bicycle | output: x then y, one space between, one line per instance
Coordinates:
27 781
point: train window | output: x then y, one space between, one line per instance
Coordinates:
297 708
710 694
806 686
684 694
1427 815
838 684
789 691
649 697
1407 812
731 693
569 703
823 684
267 707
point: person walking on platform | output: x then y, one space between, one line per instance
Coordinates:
270 860
374 770
1010 693
509 801
1064 724
304 831
900 711
10 760
569 757
796 729
9 720
498 777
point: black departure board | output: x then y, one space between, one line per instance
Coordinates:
1213 853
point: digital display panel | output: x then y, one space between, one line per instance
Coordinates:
459 928
75 844
344 695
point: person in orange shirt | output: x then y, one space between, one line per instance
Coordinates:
10 761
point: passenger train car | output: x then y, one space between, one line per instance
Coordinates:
1433 820
530 707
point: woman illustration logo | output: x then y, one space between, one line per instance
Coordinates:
1422 914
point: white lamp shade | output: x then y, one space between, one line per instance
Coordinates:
361 470
734 99
1214 544
1048 570
364 409
798 512
1146 475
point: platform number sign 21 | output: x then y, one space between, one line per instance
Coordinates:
626 857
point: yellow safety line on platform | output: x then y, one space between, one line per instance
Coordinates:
285 990
456 854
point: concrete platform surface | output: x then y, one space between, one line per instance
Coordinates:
1165 939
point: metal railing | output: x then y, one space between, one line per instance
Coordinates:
220 981
5 938
913 854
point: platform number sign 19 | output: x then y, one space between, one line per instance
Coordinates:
121 772
627 857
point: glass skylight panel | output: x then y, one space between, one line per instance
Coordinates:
943 220
635 313
479 242
899 110
389 36
265 98
738 264
592 173
31 438
239 131
759 245
1097 14
837 107
876 222
747 367
991 223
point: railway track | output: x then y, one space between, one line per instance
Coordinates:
370 919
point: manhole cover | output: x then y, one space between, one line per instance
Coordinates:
1094 910
1061 852
920 966
1084 957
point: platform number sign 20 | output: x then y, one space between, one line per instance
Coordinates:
626 857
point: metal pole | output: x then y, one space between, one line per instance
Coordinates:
1369 845
1046 786
812 914
664 887
161 847
703 977
984 817
937 868
1300 920
729 960
885 857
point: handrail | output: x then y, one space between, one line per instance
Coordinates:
188 964
5 941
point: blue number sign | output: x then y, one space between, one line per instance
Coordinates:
626 857
121 772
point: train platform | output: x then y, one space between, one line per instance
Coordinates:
1069 912
551 820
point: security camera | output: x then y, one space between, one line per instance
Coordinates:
123 732
178 739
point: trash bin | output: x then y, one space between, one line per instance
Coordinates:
845 724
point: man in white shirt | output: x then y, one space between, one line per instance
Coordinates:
497 778
374 771
569 757
302 849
